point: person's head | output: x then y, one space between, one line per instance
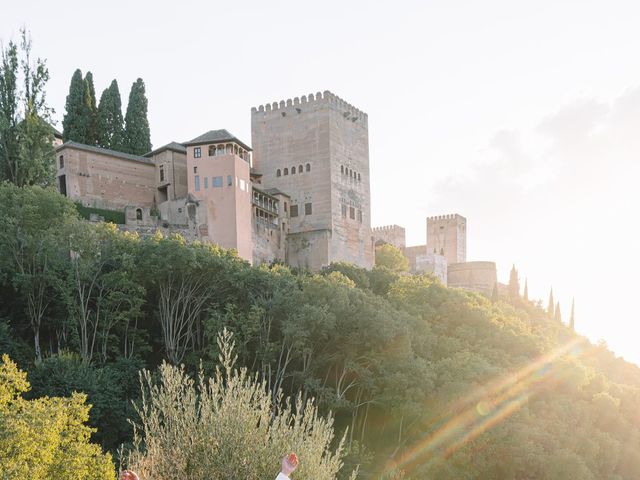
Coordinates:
128 475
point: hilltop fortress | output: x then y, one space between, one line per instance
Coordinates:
300 196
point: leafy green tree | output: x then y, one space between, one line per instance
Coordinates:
358 275
77 119
99 288
391 257
110 390
110 121
227 427
92 109
137 136
26 137
29 222
46 437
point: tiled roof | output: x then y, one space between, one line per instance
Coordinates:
216 136
275 191
104 151
174 146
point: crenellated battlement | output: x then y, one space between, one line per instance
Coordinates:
451 216
326 97
387 228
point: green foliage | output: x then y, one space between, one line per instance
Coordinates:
113 216
426 381
77 122
46 437
26 137
137 136
110 121
227 427
110 390
389 256
92 109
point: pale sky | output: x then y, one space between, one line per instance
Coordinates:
523 116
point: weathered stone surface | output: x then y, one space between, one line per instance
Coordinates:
447 235
328 140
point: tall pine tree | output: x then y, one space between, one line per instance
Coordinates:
572 319
557 315
550 306
526 290
92 110
136 130
110 122
76 122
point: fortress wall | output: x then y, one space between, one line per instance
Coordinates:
474 276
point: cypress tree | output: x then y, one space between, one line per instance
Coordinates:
495 296
110 122
136 131
572 319
514 284
558 315
550 306
75 125
92 110
526 290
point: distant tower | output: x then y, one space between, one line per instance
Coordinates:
316 149
447 235
393 234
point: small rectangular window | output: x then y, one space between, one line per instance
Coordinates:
162 173
344 211
294 210
285 207
242 185
229 181
206 183
62 184
352 213
307 209
197 182
216 182
197 152
61 161
360 216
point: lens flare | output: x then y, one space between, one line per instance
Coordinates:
486 407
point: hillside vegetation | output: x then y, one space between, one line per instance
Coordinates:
423 381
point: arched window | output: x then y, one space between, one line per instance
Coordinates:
286 171
138 214
212 150
359 178
308 167
293 170
278 173
299 168
342 169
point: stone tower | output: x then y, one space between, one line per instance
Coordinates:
316 149
447 235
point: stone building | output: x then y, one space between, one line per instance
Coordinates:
474 276
306 202
392 234
447 236
316 149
